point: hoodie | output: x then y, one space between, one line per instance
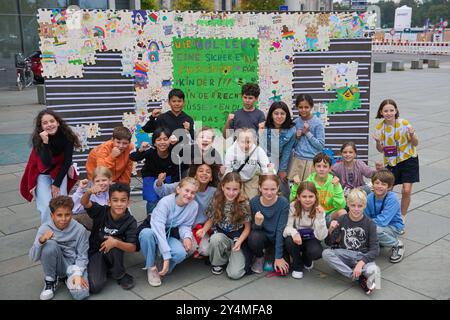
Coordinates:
331 198
166 216
201 197
73 242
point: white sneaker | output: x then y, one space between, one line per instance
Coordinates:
309 268
49 290
297 274
153 277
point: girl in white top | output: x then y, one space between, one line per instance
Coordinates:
305 228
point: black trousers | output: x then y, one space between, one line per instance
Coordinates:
257 242
100 264
303 254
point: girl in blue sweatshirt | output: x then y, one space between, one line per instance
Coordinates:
170 231
310 139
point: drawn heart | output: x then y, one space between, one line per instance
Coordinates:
276 44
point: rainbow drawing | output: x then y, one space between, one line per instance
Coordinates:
153 46
98 32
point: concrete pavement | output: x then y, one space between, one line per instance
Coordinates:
422 97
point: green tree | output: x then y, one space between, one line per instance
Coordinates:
149 5
261 5
387 9
193 5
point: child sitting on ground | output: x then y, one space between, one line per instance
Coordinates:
355 236
61 245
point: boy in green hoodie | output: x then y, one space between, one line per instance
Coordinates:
331 194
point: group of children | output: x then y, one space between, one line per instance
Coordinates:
266 207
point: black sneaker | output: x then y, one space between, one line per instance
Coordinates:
362 280
49 290
127 282
217 270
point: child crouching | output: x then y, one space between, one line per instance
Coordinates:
62 245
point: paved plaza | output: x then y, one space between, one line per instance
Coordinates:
423 97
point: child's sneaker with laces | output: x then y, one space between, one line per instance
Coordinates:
49 290
216 270
153 277
397 252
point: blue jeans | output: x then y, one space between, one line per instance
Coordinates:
149 244
387 236
44 195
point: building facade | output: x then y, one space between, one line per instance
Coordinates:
19 27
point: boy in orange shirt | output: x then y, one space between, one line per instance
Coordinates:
113 154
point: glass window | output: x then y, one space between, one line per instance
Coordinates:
30 34
122 4
8 7
31 6
93 4
9 36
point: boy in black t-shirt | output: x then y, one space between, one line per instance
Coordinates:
113 233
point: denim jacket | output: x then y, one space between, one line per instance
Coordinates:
286 144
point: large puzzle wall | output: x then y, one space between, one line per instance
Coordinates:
107 68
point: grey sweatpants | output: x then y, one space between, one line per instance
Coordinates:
55 265
221 253
343 261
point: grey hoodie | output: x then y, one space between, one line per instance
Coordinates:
73 241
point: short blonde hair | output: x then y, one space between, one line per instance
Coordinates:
189 180
357 195
102 171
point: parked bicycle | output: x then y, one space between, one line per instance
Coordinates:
28 69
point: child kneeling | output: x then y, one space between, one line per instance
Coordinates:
62 245
355 236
